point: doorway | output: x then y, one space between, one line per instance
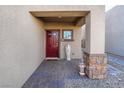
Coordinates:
52 43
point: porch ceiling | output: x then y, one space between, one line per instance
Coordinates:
72 17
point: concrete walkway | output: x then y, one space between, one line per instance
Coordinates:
64 74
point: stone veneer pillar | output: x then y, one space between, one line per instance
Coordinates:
96 65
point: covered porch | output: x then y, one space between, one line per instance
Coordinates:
86 36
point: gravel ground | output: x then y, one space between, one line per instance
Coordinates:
109 82
116 62
64 74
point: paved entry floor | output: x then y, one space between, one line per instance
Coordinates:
64 74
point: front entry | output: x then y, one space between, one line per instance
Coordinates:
52 43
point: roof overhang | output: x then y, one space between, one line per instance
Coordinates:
76 18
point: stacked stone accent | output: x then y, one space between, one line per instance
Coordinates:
96 65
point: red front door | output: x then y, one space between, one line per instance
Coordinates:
52 43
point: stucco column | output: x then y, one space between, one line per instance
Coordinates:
94 55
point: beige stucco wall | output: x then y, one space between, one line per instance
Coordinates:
22 40
97 34
75 45
95 31
21 45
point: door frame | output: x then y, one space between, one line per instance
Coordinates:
58 41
